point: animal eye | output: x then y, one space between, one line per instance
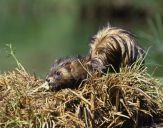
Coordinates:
58 76
58 73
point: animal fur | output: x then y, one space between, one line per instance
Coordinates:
66 73
113 48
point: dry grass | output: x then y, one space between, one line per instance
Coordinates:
128 99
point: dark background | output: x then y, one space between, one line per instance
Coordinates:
42 30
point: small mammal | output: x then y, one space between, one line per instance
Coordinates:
66 73
114 47
111 48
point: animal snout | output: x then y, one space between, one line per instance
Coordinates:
49 79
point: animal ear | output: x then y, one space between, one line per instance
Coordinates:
74 66
68 66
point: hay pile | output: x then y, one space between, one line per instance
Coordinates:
130 98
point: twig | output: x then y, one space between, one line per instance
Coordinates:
13 55
80 96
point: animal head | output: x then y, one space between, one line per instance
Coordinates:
65 73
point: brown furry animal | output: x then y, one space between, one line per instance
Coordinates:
110 48
66 73
114 47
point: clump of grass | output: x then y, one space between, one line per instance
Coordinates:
130 98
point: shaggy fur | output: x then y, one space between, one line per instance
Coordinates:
111 48
114 47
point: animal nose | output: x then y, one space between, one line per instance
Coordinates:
48 80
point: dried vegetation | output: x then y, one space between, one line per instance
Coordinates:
130 98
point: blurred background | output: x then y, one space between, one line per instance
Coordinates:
41 31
